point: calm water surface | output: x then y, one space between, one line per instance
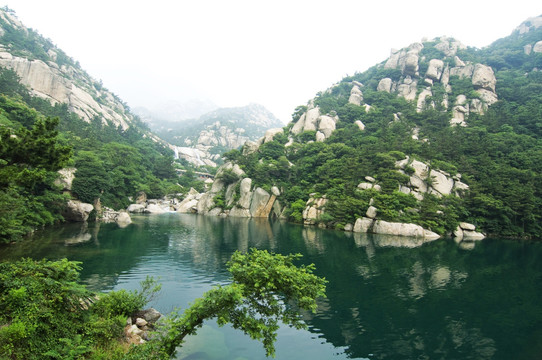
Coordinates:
388 298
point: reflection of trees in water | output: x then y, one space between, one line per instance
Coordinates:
395 298
391 297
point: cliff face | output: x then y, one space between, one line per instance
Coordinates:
50 74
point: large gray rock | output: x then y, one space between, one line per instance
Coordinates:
326 125
421 104
205 203
239 212
356 96
270 134
136 208
385 85
360 125
362 225
371 212
188 206
246 194
410 65
487 96
66 178
441 182
155 209
250 147
311 119
472 235
123 219
77 211
435 69
402 229
467 226
314 210
260 198
483 77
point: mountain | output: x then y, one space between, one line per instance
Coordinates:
438 139
174 112
202 141
54 116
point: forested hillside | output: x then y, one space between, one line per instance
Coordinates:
42 131
472 114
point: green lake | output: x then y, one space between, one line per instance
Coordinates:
387 297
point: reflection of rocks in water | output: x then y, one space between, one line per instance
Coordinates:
96 282
311 236
364 240
471 340
398 241
377 240
440 277
416 280
81 237
77 239
422 279
205 247
466 245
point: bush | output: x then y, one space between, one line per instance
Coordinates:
45 312
126 303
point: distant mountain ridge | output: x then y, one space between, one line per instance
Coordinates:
201 141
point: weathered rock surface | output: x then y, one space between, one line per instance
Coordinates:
314 209
136 208
363 225
408 60
313 120
401 229
77 211
66 178
64 82
258 206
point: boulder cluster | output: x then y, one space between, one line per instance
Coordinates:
139 326
409 61
422 180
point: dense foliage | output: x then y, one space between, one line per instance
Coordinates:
30 155
499 153
37 139
46 314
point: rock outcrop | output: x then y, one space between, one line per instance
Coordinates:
313 120
77 211
138 327
314 209
410 60
60 80
65 178
122 218
467 232
422 180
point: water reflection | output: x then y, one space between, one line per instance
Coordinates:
387 298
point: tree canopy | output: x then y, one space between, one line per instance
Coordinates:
46 314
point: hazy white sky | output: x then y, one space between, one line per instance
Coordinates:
276 53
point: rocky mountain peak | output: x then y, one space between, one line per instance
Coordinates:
528 25
50 74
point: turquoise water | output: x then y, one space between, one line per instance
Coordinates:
387 298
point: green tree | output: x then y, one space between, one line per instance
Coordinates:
263 291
